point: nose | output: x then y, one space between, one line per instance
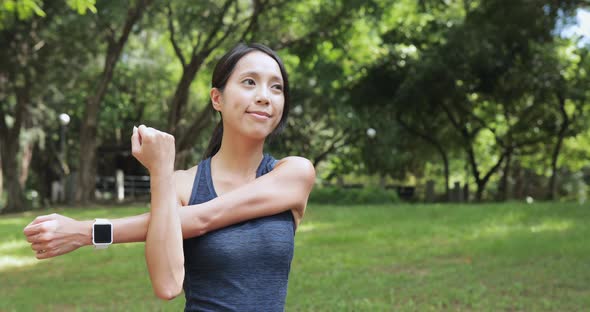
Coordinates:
262 96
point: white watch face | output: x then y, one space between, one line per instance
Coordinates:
103 234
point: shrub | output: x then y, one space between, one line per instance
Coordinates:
352 196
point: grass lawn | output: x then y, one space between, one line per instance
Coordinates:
496 257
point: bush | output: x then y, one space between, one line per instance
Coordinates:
352 196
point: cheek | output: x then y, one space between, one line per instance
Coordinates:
279 107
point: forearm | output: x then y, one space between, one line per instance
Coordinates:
134 228
163 246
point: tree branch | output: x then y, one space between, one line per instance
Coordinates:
216 27
172 39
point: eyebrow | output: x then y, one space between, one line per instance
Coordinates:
257 74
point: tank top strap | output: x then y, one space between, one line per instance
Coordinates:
203 189
200 192
267 165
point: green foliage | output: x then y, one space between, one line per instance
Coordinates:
441 82
352 196
26 9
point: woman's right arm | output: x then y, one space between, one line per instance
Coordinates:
285 188
56 234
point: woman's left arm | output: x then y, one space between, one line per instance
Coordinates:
163 245
286 187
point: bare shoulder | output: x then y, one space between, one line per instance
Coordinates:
300 166
183 181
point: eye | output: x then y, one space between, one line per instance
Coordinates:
248 81
278 87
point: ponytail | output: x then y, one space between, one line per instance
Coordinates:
215 141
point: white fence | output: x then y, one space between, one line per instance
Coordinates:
122 186
118 187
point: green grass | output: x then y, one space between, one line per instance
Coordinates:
497 257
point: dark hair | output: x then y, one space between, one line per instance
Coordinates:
221 74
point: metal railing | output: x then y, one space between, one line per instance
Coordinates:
122 186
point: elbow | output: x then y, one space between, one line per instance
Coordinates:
168 292
305 173
170 286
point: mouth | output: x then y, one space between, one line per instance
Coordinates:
260 114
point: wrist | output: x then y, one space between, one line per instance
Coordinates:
161 174
85 231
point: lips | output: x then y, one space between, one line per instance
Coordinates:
260 114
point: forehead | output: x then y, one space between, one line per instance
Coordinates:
258 62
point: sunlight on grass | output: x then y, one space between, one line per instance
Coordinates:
11 221
12 245
312 226
504 229
552 225
9 262
496 230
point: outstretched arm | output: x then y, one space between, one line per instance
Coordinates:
286 187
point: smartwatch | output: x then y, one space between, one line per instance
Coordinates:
102 233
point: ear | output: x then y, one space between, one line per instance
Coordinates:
216 99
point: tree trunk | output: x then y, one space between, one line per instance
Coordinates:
503 188
180 98
16 201
199 54
439 148
9 146
1 177
552 187
447 173
87 168
25 163
481 182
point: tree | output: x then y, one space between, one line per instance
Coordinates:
88 131
23 64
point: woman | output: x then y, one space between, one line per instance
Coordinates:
237 210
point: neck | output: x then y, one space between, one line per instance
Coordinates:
238 155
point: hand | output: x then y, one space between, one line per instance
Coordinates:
154 149
54 235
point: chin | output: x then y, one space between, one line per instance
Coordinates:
258 134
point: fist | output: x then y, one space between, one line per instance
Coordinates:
154 149
53 235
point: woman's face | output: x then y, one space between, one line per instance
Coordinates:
252 101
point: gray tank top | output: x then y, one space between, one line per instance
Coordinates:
242 267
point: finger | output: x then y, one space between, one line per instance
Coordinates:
142 130
44 218
39 246
135 141
33 229
42 237
145 133
48 253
